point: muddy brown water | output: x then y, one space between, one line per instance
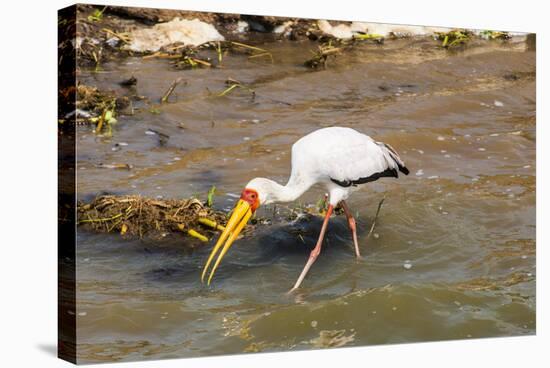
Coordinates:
464 219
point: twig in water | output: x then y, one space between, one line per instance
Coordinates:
191 62
121 36
233 84
106 117
162 55
268 54
200 61
101 219
256 51
248 46
170 90
100 122
375 217
219 51
227 90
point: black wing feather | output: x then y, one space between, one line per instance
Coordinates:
368 179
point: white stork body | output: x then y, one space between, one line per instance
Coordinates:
340 158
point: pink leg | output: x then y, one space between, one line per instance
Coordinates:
352 227
315 252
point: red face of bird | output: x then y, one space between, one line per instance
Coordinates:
246 206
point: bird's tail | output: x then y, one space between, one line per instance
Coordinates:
395 157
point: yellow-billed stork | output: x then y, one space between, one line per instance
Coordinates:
337 157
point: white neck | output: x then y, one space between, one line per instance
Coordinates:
289 192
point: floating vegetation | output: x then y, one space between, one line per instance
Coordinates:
234 84
454 38
106 118
188 61
321 56
494 35
185 57
334 46
138 216
369 36
97 15
96 107
188 57
458 37
92 99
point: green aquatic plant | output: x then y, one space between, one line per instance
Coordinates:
322 204
97 15
494 35
106 118
368 36
454 38
210 197
193 62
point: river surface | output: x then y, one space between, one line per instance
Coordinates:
453 252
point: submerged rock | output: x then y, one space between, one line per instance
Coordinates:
187 32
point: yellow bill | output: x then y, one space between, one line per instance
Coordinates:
241 214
